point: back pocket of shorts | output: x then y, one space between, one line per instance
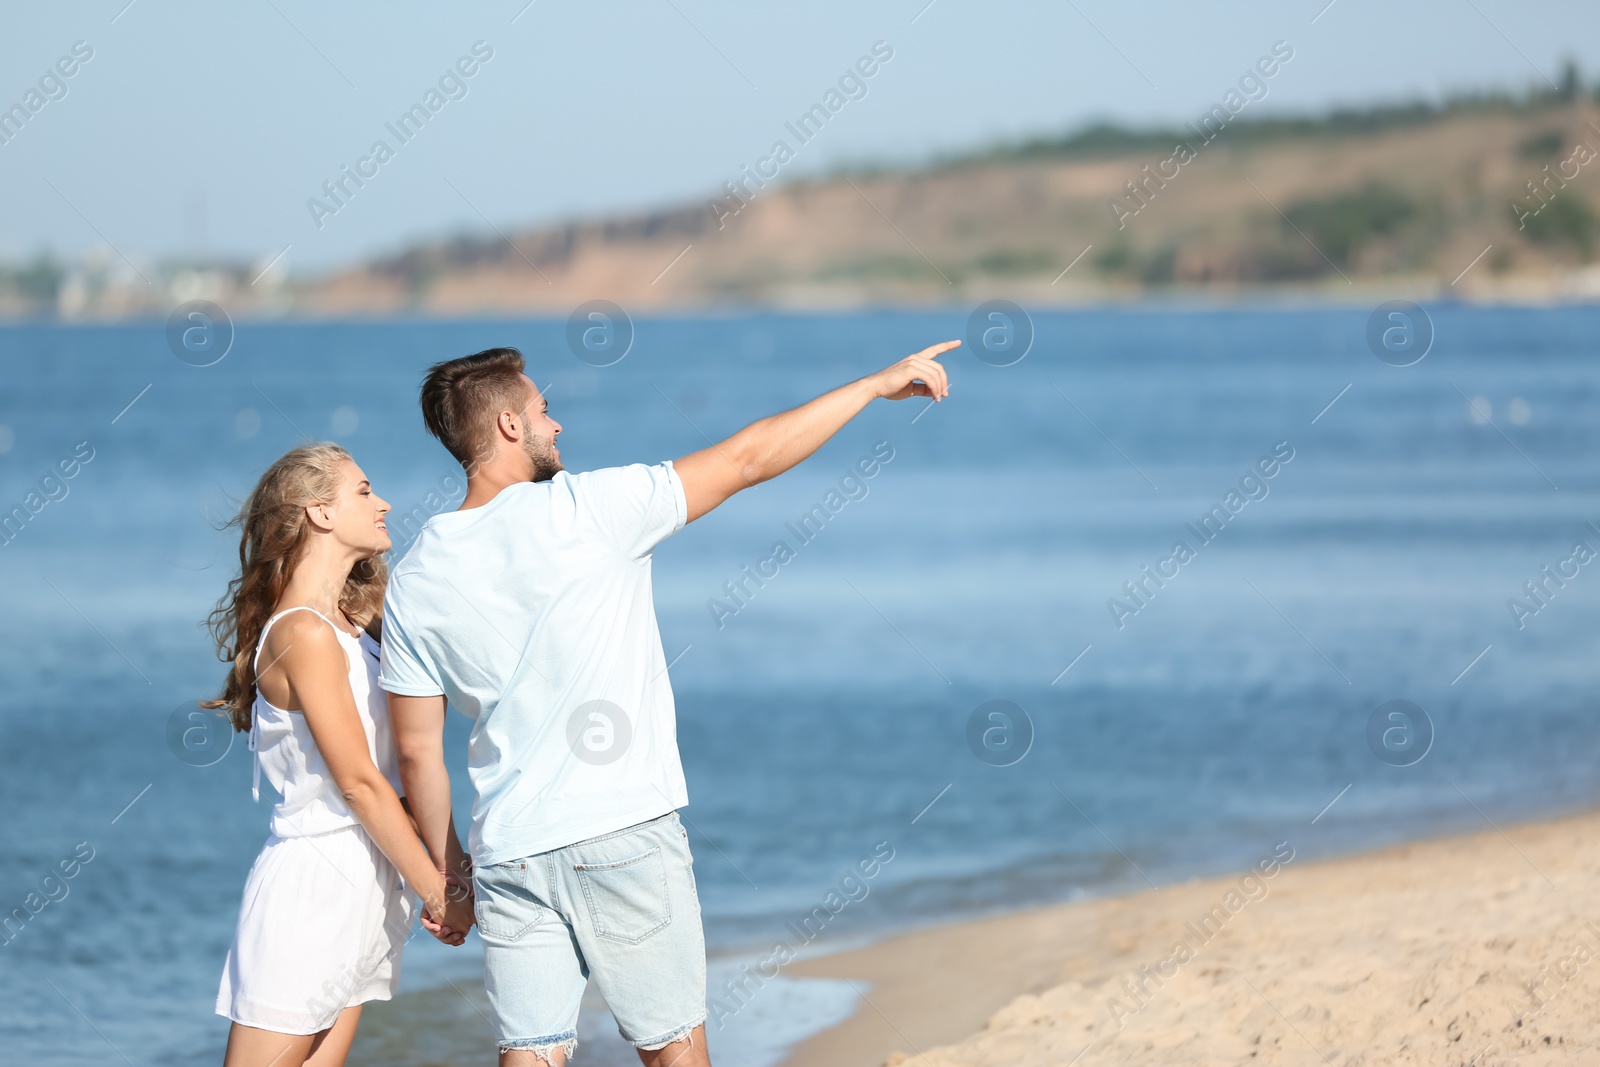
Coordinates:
503 905
627 899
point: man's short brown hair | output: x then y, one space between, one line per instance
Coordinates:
462 397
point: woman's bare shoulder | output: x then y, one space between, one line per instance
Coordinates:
300 637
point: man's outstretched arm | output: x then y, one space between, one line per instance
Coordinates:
767 448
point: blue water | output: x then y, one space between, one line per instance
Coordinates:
831 710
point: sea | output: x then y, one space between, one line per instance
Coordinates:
1155 590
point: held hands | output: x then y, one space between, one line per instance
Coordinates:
451 927
916 375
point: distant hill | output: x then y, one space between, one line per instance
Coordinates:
1504 189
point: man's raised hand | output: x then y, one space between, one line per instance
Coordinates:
916 375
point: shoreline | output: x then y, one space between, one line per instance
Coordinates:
1408 953
1180 299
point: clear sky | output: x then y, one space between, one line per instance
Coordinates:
206 127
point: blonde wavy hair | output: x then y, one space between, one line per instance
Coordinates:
274 530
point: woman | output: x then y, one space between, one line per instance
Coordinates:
328 904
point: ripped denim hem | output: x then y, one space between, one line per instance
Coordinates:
543 1047
657 1043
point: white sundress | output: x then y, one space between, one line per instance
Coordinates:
325 915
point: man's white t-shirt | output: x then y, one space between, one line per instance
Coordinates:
533 614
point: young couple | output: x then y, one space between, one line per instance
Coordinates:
530 610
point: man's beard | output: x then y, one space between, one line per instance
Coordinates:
542 456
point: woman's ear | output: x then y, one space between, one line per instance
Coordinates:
319 516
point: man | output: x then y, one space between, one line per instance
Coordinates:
530 610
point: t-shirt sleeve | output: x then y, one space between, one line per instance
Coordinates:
637 506
403 667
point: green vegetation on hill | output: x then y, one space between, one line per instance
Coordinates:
1565 220
35 281
1542 146
1103 139
1339 225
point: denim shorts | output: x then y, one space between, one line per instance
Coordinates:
622 907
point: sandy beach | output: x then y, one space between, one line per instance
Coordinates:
1470 950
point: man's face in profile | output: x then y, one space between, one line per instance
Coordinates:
539 443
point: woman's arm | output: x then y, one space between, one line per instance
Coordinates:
317 671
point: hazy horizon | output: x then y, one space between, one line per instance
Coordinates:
220 149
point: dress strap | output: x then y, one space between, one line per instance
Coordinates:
255 759
262 640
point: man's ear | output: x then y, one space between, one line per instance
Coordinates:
507 424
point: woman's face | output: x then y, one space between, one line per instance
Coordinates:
358 513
